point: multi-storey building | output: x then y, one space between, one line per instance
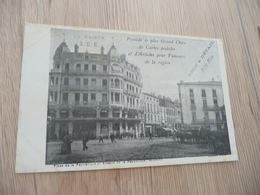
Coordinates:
170 113
151 113
202 103
93 93
177 114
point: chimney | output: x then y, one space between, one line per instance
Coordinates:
102 49
213 79
76 48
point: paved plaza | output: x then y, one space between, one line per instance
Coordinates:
125 149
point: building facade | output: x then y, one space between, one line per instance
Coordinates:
151 113
92 93
202 103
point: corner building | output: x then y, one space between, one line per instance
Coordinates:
202 103
93 93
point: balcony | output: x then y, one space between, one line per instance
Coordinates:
85 72
85 103
133 80
53 87
207 121
211 108
131 93
83 87
115 87
103 103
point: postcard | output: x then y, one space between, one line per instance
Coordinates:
96 99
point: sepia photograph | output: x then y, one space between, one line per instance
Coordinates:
119 98
144 99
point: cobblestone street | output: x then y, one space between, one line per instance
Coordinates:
125 149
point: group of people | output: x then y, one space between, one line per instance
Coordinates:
66 144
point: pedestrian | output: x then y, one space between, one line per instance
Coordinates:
66 145
112 137
101 138
85 140
142 135
150 137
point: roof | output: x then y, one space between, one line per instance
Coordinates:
62 48
201 83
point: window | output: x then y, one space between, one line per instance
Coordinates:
206 114
205 104
193 116
93 82
104 97
136 90
66 81
214 93
86 67
93 96
52 81
94 68
112 97
56 96
117 82
51 96
78 67
216 103
58 66
203 93
57 81
76 97
65 97
85 81
191 93
85 98
67 67
104 68
192 102
117 97
217 116
77 81
104 83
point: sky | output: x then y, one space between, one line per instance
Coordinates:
163 60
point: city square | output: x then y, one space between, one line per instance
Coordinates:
126 150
